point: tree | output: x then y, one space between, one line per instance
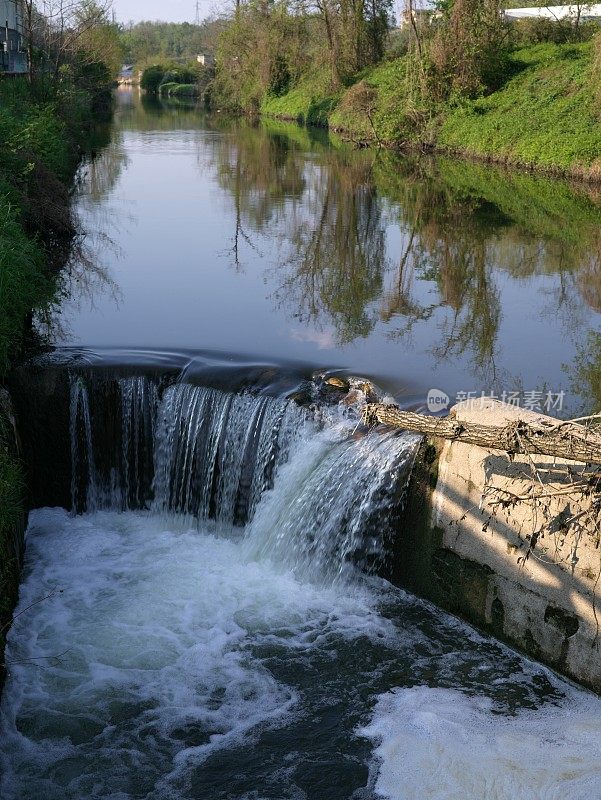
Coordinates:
469 48
58 31
268 46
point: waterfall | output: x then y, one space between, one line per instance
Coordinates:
217 451
210 619
83 471
309 487
112 428
335 504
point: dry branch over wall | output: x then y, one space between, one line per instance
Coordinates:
557 439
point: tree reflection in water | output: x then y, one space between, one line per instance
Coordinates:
352 242
462 226
84 278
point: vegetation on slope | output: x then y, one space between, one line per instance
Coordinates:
469 83
546 115
45 120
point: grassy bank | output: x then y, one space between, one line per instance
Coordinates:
43 130
545 116
43 135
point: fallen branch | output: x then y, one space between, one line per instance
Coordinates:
569 440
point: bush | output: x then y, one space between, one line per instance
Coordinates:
185 90
173 89
23 283
468 54
180 75
540 31
165 88
152 77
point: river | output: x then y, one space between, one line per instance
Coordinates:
267 241
214 625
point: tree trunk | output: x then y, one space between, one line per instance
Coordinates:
29 36
561 440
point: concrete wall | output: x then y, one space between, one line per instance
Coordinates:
473 564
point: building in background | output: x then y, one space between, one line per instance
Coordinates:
13 56
576 12
206 59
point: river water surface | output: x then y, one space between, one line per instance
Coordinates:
269 241
212 627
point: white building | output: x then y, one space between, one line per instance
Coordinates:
206 59
13 58
579 11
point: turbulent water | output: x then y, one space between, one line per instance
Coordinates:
212 626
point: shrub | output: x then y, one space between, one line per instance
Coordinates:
468 53
180 75
537 31
152 77
165 88
22 280
185 90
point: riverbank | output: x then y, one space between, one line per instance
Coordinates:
44 130
544 118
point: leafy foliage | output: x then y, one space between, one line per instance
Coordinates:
148 42
152 77
270 50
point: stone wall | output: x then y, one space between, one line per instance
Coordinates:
466 551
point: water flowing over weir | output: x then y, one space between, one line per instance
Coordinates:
208 623
208 455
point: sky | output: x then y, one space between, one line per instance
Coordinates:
171 11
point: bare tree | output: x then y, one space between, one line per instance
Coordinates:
58 27
68 22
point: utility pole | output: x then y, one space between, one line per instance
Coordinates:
197 20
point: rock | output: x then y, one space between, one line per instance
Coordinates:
367 388
302 397
338 383
353 398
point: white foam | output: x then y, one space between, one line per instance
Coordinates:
154 626
440 744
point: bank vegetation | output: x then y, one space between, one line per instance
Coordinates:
48 122
459 79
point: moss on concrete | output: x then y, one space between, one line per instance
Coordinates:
12 523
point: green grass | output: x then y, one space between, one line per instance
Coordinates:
546 116
309 103
185 90
36 159
42 129
391 122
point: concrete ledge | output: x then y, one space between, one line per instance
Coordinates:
472 561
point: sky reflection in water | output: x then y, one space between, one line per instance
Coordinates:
273 241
